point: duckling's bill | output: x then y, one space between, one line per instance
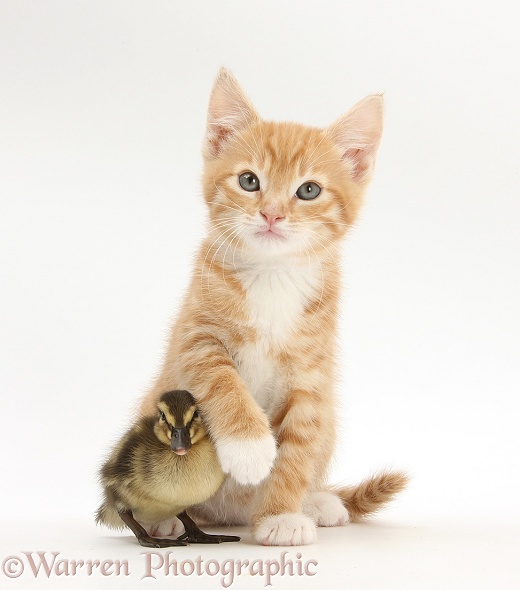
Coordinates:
181 440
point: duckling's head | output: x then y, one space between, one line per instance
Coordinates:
178 423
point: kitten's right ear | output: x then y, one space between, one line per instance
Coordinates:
229 111
358 134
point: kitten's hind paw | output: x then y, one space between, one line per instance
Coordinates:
248 460
325 509
172 527
285 529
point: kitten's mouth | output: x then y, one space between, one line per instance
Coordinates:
270 234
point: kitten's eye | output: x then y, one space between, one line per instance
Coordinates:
249 182
308 191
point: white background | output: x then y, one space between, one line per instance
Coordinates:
102 112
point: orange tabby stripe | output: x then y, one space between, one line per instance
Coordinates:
292 473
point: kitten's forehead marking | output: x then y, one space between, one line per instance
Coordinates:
288 154
286 144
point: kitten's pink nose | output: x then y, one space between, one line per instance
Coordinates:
272 218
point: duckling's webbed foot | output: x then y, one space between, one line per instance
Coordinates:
193 534
155 543
143 537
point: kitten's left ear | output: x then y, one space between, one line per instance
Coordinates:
229 111
358 134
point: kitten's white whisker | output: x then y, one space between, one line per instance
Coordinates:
201 270
226 197
238 206
229 218
317 160
235 233
221 234
248 148
308 220
258 151
346 204
308 157
319 239
232 229
224 205
223 224
235 251
333 161
209 272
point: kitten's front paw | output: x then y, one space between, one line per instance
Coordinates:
285 529
249 460
325 509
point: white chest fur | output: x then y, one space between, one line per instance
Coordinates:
276 298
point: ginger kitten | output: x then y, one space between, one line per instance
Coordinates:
255 339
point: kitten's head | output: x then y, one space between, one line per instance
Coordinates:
282 188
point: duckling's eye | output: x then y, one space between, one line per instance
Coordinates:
308 191
163 416
195 415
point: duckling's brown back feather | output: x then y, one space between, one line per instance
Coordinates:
121 463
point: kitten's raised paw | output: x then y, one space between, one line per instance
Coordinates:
249 461
285 529
325 509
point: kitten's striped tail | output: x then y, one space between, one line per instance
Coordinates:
371 494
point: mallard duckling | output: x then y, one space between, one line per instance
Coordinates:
163 465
